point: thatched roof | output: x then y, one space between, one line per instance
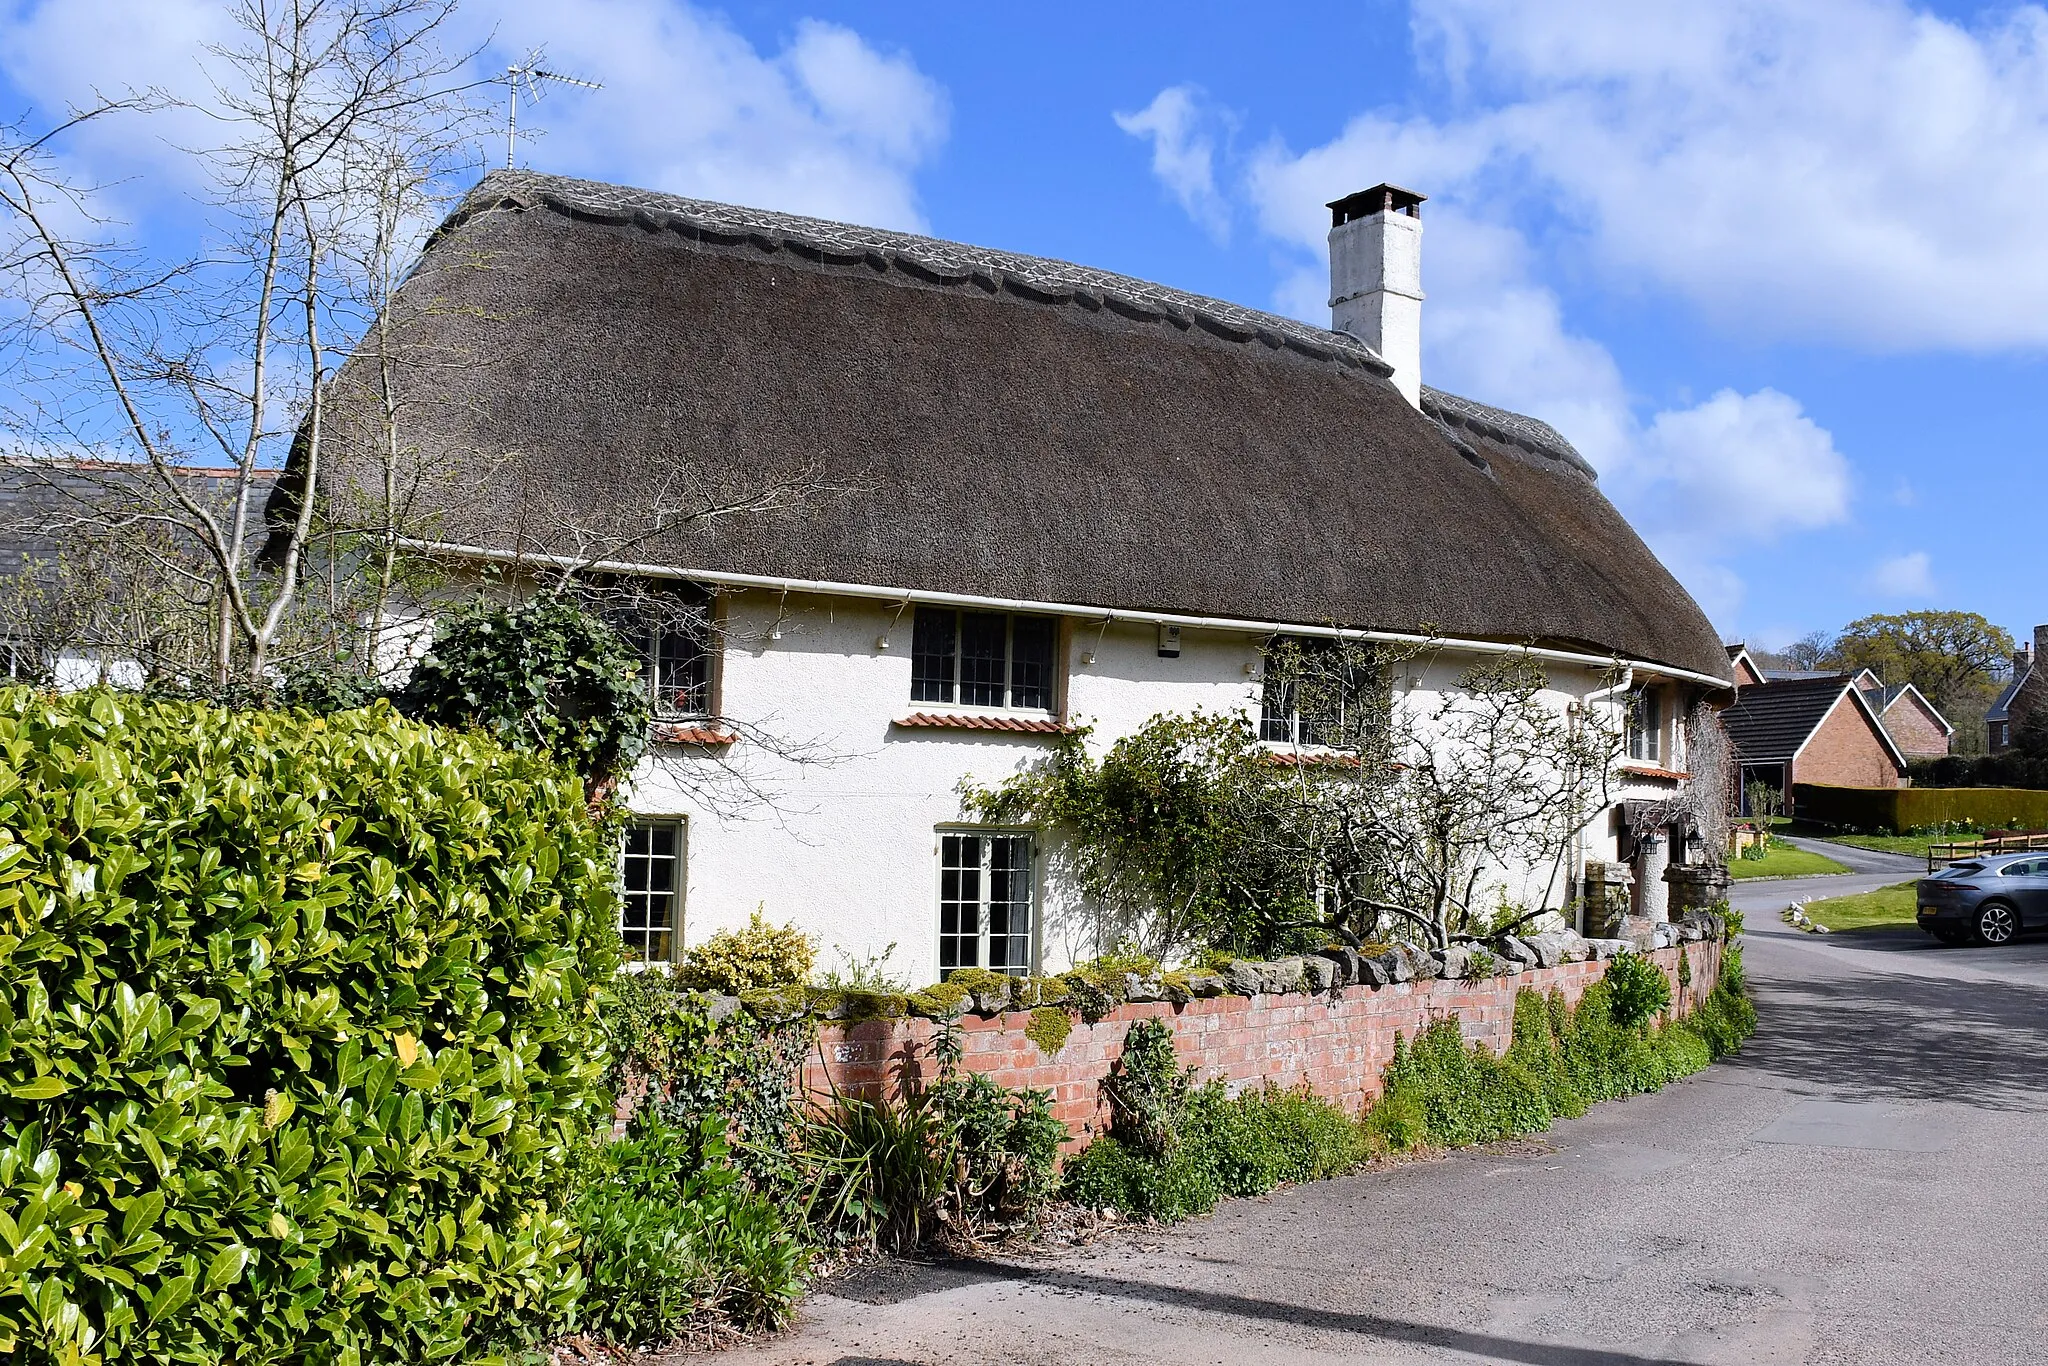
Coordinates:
995 424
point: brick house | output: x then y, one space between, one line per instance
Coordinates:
1811 730
2024 697
1914 723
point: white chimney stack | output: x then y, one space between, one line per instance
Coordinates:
1376 278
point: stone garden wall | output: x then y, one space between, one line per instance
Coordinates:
1336 1039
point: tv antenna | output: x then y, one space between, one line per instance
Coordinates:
528 77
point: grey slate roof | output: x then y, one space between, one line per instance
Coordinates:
1772 719
2001 710
995 424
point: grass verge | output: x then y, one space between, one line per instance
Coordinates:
1784 860
1887 908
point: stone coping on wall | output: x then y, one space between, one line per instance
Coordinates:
1091 991
1336 1039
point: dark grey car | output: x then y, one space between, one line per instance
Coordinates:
1989 900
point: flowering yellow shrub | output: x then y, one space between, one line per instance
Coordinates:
748 959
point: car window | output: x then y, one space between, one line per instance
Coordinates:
2023 868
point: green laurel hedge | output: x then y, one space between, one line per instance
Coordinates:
297 1033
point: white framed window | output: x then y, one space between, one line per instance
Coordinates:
1319 692
651 890
983 659
986 902
1645 726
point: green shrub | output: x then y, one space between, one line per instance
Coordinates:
1440 1092
1397 1121
671 1236
300 1032
757 957
881 1170
1467 1095
543 675
1147 1089
963 1151
1003 1149
1638 989
1175 1149
743 1070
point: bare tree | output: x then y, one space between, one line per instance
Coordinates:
338 117
1450 800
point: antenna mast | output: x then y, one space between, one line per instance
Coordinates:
529 78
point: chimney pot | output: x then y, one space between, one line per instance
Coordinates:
1376 277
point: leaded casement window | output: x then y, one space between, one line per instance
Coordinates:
985 902
1645 726
651 879
1320 692
983 659
672 628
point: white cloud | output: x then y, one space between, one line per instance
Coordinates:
1909 576
1854 169
1701 481
825 124
1183 154
1748 465
828 125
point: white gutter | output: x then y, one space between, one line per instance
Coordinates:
828 588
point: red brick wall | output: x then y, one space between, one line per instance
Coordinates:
1913 730
1847 751
1338 1044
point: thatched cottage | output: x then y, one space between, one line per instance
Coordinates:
978 499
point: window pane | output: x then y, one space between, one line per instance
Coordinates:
647 910
982 639
1009 903
682 670
931 655
1031 652
1276 707
959 902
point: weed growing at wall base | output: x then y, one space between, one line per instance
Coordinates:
1174 1148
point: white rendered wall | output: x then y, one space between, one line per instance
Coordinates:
846 846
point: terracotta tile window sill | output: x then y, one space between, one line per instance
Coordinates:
688 733
1665 775
1016 725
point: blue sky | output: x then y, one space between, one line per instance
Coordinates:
1774 265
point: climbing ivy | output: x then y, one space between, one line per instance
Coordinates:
542 675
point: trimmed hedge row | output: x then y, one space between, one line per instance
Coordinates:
1901 809
298 1032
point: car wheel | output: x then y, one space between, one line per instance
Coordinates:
1997 923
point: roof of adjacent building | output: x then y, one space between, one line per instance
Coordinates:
1884 696
49 507
2001 710
988 424
1772 720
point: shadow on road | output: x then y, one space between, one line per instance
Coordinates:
1874 1036
1486 1345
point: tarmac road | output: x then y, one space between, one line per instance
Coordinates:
1863 1184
